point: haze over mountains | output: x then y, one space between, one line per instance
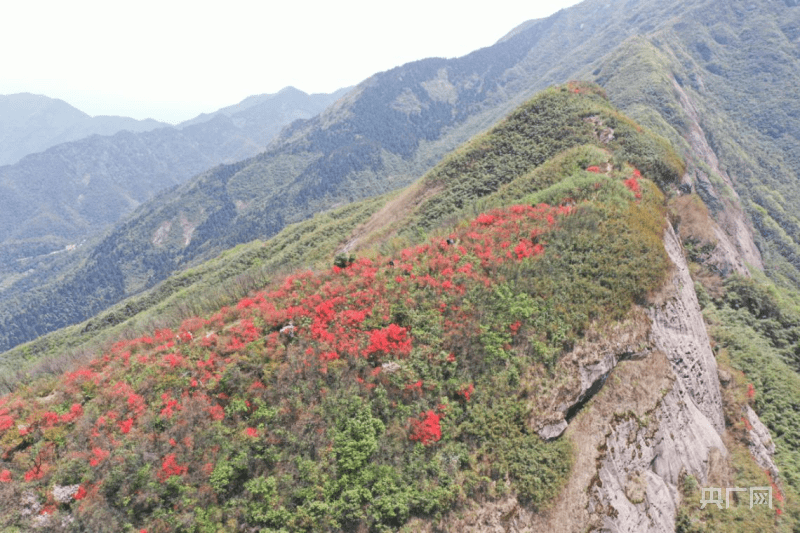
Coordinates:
395 125
637 337
33 123
70 191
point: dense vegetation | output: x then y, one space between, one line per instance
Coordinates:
756 331
760 330
384 135
468 180
393 392
388 389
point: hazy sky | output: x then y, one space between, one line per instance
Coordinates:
173 59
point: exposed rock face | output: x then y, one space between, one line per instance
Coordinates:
553 430
639 473
679 331
761 446
655 415
588 366
736 249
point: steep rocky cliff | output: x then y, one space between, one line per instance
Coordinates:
648 450
650 413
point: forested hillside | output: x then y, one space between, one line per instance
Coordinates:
65 195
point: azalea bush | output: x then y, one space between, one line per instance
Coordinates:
358 396
385 356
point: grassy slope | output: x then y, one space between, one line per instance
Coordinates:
399 394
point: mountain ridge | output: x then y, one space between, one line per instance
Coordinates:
33 123
512 319
71 191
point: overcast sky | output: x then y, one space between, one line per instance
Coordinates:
174 59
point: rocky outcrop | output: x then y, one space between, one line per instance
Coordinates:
643 407
679 331
637 485
637 488
586 370
761 446
736 249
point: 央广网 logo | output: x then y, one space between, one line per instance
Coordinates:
713 495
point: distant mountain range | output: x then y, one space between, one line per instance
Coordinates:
33 123
712 88
67 193
263 115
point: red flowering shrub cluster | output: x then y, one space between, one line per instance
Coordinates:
98 456
467 391
632 183
407 328
170 467
426 429
6 422
36 472
390 340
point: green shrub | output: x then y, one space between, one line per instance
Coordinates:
263 507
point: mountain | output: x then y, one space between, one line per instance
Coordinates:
719 84
573 322
691 81
62 196
269 112
380 136
513 342
33 123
